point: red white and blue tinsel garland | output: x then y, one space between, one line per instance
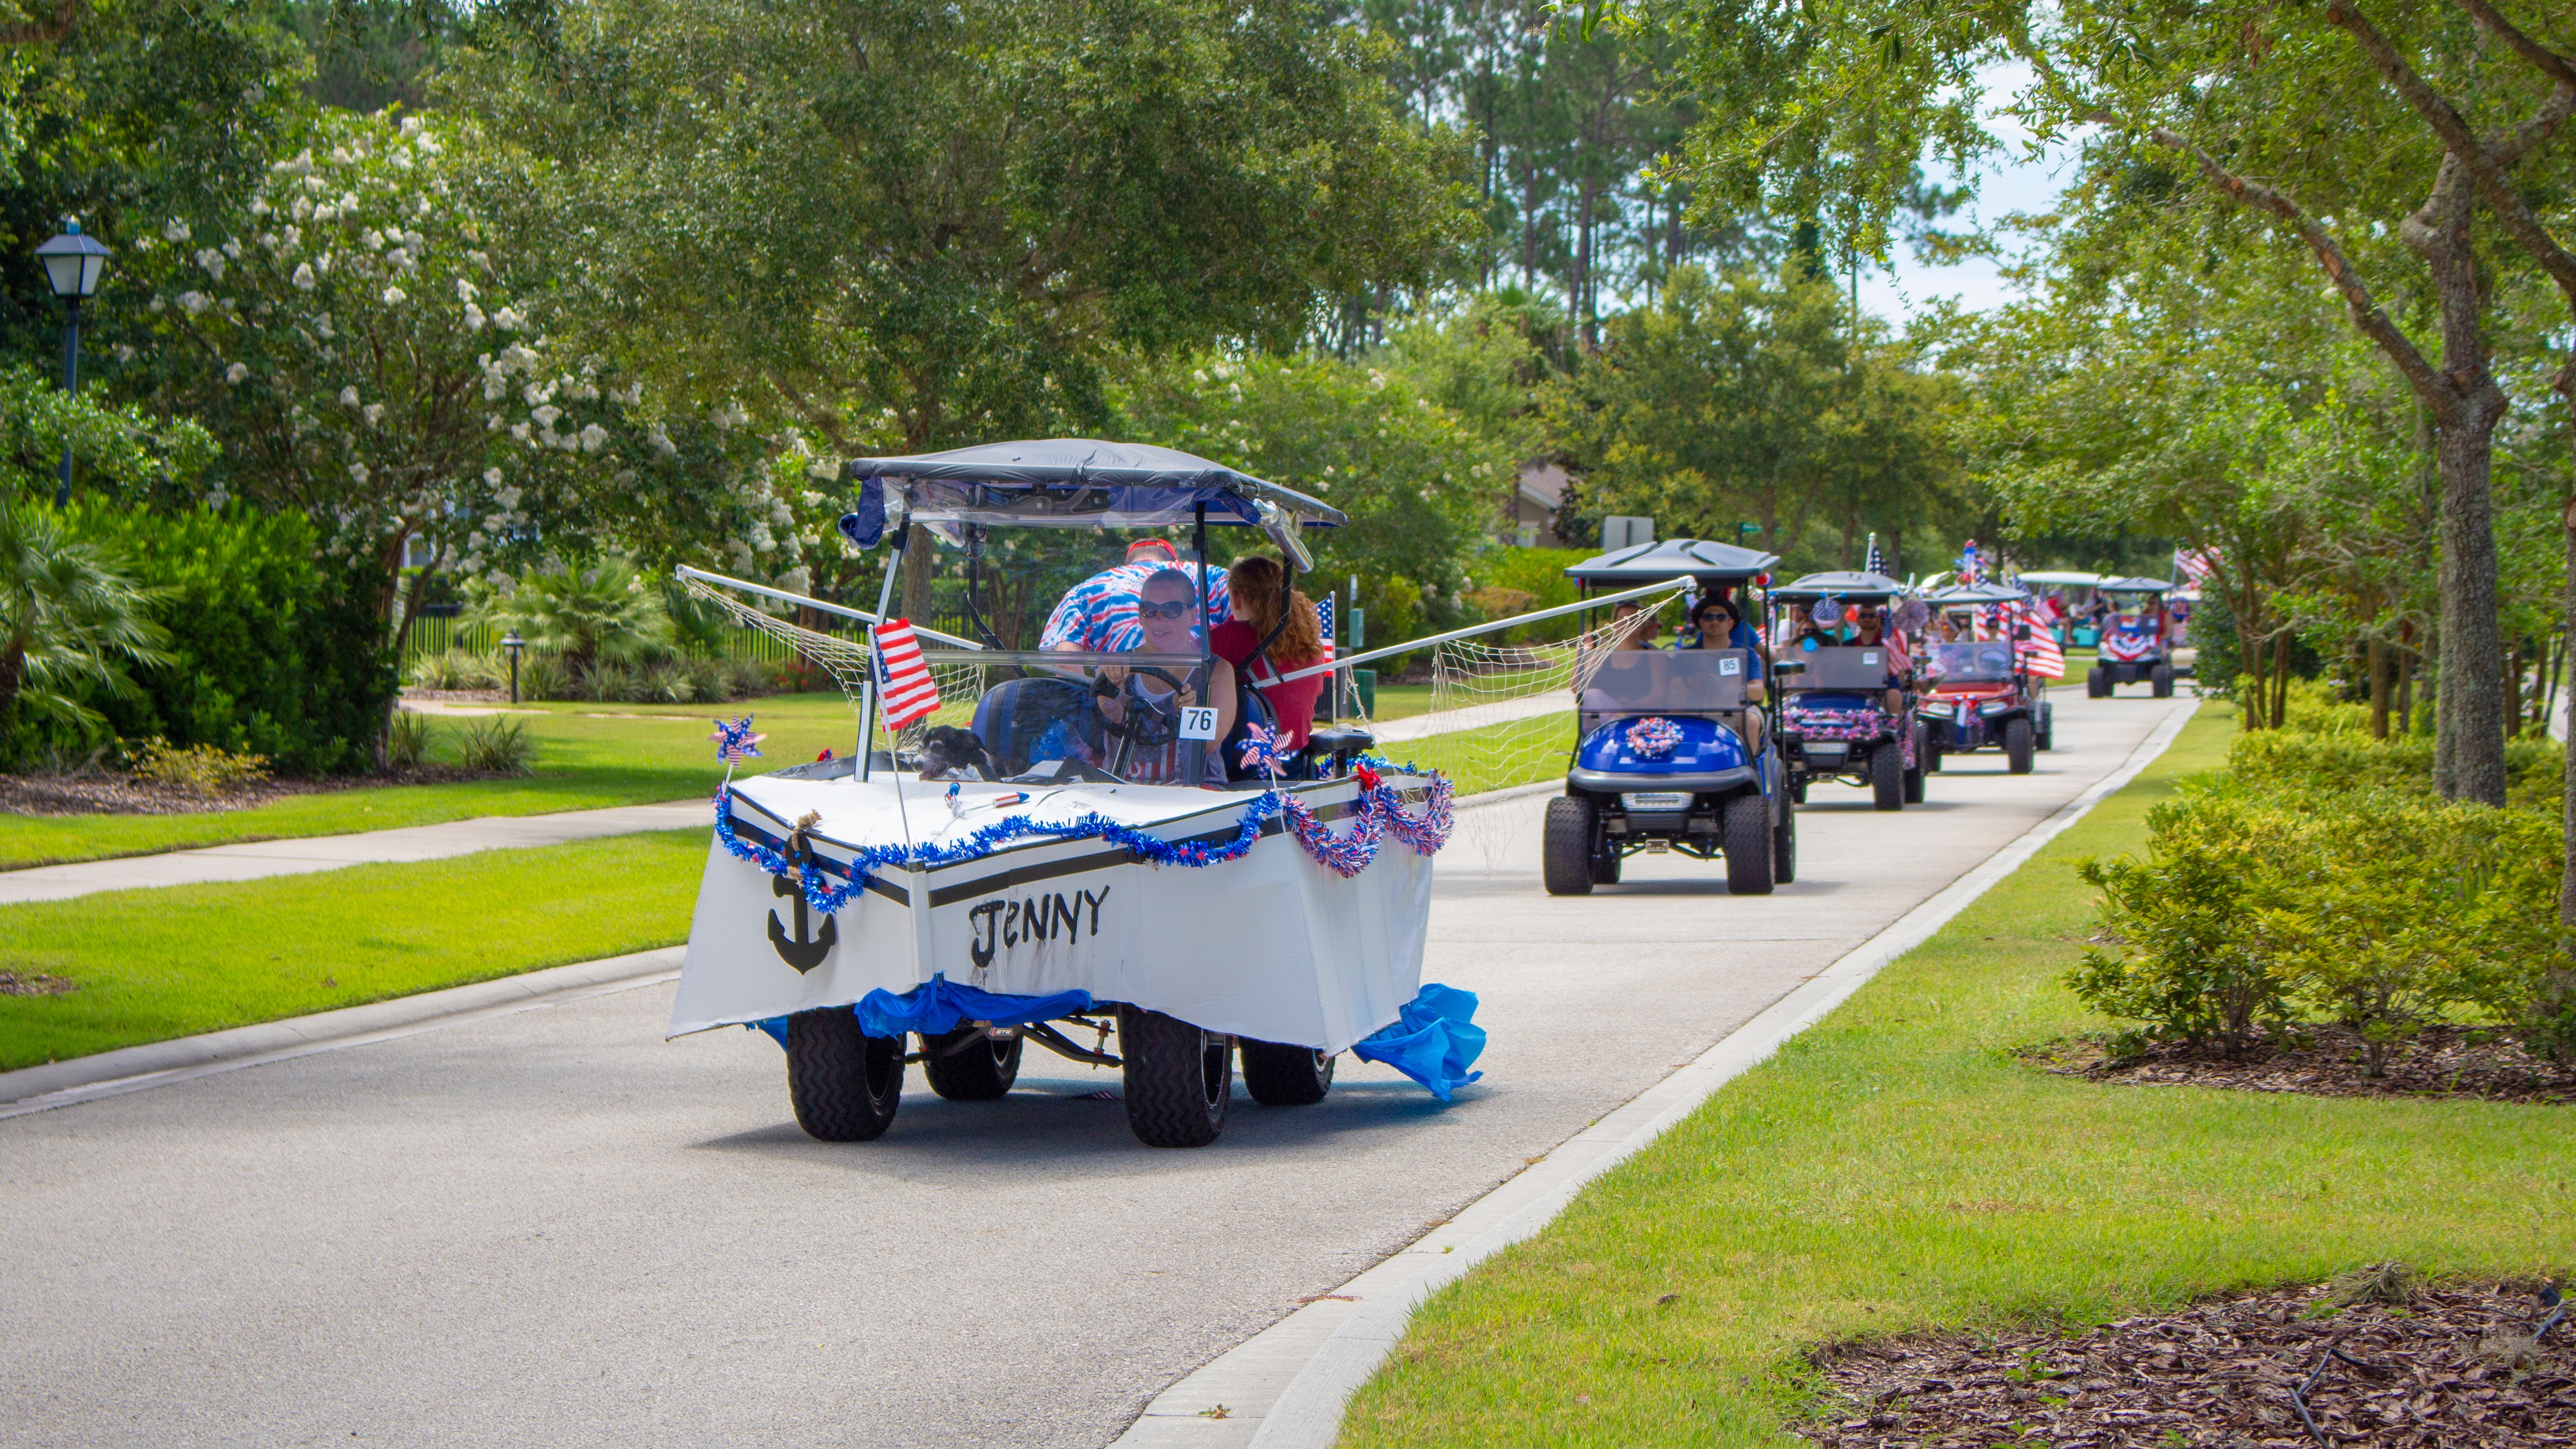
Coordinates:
1839 724
1654 738
1375 814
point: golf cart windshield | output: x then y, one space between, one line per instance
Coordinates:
1651 681
1841 667
1986 661
1056 716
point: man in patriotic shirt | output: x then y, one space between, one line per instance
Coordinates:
1098 615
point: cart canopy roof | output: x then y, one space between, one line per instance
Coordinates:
1976 594
1840 584
2061 577
1071 483
2135 586
1648 563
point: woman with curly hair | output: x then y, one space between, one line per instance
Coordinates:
1274 631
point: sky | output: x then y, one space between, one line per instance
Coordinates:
2005 184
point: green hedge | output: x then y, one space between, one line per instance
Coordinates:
279 653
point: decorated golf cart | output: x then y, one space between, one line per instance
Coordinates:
1847 709
1071 849
2137 639
1675 752
1981 693
2062 595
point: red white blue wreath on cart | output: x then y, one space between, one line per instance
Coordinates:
1840 724
1654 738
1376 814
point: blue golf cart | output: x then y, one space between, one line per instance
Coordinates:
1675 753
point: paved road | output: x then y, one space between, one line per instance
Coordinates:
555 1228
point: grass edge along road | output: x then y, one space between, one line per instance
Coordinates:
149 965
1895 1170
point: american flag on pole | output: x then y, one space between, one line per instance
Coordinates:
1324 620
1874 564
903 677
2039 653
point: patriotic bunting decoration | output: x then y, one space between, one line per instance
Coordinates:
1377 814
903 679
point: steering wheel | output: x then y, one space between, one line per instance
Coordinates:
1133 726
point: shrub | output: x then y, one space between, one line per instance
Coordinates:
458 669
2179 961
744 678
206 769
544 676
496 744
275 651
668 682
607 683
406 740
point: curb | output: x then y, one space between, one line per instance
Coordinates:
1307 1365
160 1063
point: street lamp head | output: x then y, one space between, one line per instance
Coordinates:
73 262
512 642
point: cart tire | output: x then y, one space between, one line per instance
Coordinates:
1178 1079
1922 764
1748 844
1887 776
1281 1075
2097 683
1798 790
843 1083
2160 681
1565 851
1784 848
1933 750
981 1071
2018 742
2047 728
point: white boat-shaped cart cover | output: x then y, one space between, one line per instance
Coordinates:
1273 946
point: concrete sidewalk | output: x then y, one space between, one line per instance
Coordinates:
331 852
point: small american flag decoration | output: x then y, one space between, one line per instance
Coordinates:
903 677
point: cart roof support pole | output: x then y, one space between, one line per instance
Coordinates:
868 696
1194 752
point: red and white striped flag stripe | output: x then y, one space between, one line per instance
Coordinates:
2039 653
903 677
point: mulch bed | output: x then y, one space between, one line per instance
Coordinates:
35 983
2453 1366
104 793
2326 1061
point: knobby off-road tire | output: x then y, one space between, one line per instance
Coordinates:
844 1084
2160 681
1887 777
1784 846
2019 741
1565 849
1747 827
981 1070
2097 683
1178 1079
1281 1075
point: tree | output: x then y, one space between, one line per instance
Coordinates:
909 225
2268 109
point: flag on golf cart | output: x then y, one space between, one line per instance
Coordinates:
903 677
2039 653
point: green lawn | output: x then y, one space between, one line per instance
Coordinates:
589 756
183 959
1896 1170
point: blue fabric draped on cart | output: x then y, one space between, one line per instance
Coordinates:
1432 1041
941 1005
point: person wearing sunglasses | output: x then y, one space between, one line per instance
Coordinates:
1144 703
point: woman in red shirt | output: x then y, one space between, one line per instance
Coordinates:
1262 597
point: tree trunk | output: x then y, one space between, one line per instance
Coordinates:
2280 678
920 562
2377 656
2406 692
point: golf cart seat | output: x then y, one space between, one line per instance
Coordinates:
1023 722
1339 743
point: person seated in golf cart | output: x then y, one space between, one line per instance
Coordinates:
1716 623
1860 626
1143 705
1275 630
1098 615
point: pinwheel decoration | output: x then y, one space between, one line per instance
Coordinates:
1261 750
735 742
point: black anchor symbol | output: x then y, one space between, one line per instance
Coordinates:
802 953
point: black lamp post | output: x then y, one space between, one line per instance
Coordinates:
513 643
73 265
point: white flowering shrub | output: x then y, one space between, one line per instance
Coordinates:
374 352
